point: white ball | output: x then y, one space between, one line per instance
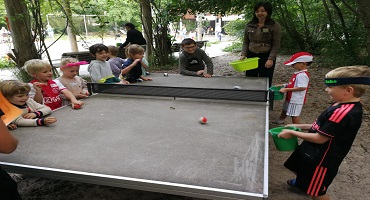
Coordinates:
165 74
202 120
237 87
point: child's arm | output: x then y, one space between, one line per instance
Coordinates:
285 90
39 110
94 71
20 121
71 97
115 69
310 137
145 64
36 92
8 143
129 67
85 93
301 126
209 64
145 78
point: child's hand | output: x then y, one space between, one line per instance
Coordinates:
136 61
200 72
50 120
83 94
77 104
146 79
124 82
207 75
29 116
12 126
285 133
283 90
38 86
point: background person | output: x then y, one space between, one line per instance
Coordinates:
262 37
133 36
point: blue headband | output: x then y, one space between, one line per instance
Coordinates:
347 81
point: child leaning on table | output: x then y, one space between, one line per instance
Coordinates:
99 69
70 79
329 139
192 60
115 62
16 93
43 89
132 68
296 89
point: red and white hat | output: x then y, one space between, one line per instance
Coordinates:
299 57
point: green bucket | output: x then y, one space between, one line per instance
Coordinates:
284 144
277 95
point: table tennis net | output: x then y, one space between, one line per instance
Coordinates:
180 92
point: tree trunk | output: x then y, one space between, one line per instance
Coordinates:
147 20
20 25
363 7
70 32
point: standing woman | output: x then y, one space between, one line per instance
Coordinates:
262 39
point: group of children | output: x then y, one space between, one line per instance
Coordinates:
315 162
47 94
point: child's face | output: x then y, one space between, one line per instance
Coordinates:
190 48
300 66
138 56
19 99
44 75
102 55
70 72
337 93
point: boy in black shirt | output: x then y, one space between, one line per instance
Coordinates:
330 137
192 60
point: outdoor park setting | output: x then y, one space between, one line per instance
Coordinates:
145 140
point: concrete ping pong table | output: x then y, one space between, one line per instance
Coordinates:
146 136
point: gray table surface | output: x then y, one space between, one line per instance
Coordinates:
155 140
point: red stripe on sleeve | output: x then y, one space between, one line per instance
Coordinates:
339 113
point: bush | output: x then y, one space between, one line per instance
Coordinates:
7 63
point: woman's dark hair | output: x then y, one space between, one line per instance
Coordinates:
130 25
268 8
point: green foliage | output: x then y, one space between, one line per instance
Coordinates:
6 63
236 28
234 47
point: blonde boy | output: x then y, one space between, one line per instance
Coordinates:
43 89
317 159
